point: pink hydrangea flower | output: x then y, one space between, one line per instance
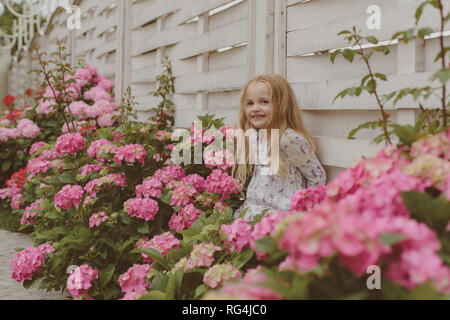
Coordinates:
182 195
169 173
221 183
161 243
135 280
94 186
99 147
90 168
196 181
46 106
306 199
80 281
97 218
35 146
70 143
142 208
222 159
149 188
202 255
238 235
130 153
437 145
184 218
97 94
265 228
28 128
28 261
219 274
69 196
37 165
30 212
106 120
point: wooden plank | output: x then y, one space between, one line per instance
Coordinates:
193 8
280 40
344 15
332 172
235 13
144 42
226 36
218 80
319 67
146 74
145 11
340 152
319 95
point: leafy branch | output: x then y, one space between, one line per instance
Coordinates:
368 82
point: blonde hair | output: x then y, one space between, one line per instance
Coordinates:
285 115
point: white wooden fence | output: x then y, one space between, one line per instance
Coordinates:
216 46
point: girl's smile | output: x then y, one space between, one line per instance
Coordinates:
258 105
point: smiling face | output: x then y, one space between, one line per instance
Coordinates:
258 105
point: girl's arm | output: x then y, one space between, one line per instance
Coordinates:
297 150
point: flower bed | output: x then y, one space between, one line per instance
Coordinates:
114 218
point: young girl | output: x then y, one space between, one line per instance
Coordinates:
268 102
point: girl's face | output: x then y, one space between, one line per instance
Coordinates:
258 108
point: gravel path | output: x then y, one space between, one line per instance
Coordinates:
9 289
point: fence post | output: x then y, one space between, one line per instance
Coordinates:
123 62
280 29
203 62
406 64
260 37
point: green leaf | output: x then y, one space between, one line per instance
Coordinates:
366 125
380 76
160 281
143 229
106 274
243 258
154 295
6 165
349 54
155 255
390 239
344 32
200 291
372 39
422 33
266 245
334 54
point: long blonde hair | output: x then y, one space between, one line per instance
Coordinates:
285 115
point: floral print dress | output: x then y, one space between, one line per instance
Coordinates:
273 191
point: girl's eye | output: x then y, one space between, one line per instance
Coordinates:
249 103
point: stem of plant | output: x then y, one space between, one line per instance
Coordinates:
372 77
441 43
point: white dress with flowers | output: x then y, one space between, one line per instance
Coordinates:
274 191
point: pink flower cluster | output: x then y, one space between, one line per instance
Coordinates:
223 159
142 208
47 159
221 183
89 168
135 281
437 145
169 173
25 129
149 188
219 274
94 186
202 255
182 195
97 218
29 261
196 181
80 281
99 147
36 146
184 218
68 196
246 289
30 212
70 143
307 199
130 153
238 235
264 228
161 243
